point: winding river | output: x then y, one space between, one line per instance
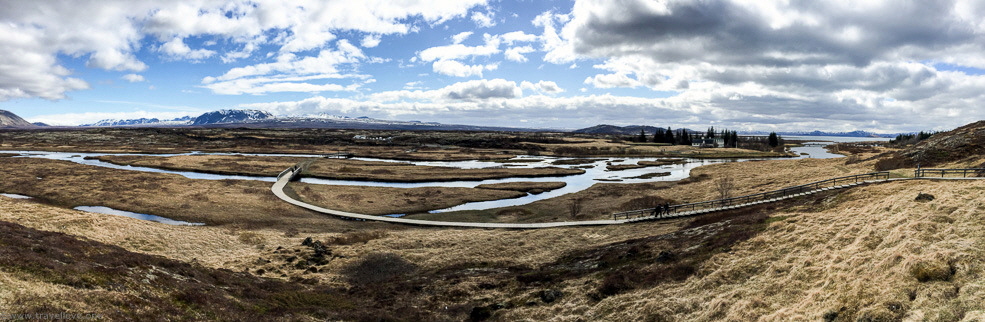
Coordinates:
595 171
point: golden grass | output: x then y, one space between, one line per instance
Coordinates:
858 256
525 186
867 253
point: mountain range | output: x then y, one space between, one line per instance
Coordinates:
262 119
635 130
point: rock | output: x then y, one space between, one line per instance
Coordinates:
307 242
480 313
924 197
665 256
549 296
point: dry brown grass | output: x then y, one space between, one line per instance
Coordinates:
536 187
868 253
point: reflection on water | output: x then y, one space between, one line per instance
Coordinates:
595 172
15 196
111 211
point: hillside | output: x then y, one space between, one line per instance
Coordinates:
8 119
963 143
619 130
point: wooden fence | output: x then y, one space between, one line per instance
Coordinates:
676 210
973 172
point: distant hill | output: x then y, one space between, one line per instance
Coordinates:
620 130
263 119
186 120
8 119
231 116
40 124
856 134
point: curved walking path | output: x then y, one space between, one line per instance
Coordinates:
641 215
287 175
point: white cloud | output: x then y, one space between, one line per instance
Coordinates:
516 53
473 90
455 68
612 80
133 78
542 86
484 20
460 37
457 51
178 49
109 32
290 73
371 41
517 36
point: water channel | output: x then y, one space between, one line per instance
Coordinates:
595 171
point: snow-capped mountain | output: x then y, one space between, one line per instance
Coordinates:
142 121
232 116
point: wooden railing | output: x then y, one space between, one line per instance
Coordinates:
674 210
294 170
973 172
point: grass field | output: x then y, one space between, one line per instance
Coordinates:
870 253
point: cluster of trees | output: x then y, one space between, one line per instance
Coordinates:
907 139
680 137
729 138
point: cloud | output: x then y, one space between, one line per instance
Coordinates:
542 86
177 48
612 80
473 90
785 63
460 37
516 53
457 51
289 73
370 41
133 78
108 33
455 68
484 20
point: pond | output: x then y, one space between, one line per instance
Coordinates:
115 212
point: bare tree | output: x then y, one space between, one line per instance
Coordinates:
574 208
724 186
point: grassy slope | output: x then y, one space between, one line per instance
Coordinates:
858 255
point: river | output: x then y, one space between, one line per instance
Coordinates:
595 171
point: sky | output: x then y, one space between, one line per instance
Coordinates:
784 65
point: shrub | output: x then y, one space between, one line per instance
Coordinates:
929 271
377 268
251 238
356 237
893 163
380 171
291 232
924 197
